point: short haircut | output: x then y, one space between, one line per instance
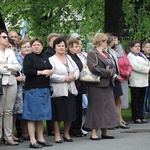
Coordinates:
3 31
144 43
34 40
132 43
22 42
51 35
58 41
70 42
99 38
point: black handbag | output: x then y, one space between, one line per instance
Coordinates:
1 86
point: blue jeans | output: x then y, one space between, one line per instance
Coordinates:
147 101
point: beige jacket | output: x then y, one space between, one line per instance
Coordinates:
11 66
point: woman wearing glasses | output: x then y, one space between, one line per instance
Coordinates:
9 66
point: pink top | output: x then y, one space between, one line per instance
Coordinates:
124 67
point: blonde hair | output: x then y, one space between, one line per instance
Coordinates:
51 35
99 38
22 42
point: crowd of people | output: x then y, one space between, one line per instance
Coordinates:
28 71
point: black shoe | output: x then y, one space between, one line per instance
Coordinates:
112 128
124 127
35 145
95 139
107 137
59 142
45 144
19 140
67 140
144 121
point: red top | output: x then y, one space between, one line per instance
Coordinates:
124 67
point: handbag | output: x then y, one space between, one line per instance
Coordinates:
1 86
87 76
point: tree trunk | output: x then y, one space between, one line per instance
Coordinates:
113 16
2 24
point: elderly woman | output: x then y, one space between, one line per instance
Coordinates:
101 111
9 66
37 102
138 81
63 82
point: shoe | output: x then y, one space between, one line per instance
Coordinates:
124 127
59 142
112 128
35 145
107 137
11 142
138 121
125 123
67 140
144 121
95 139
19 140
26 138
45 144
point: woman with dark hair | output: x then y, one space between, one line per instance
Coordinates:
117 89
63 82
9 67
73 50
37 102
138 81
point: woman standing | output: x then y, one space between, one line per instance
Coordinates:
37 102
25 49
63 82
101 111
138 81
9 66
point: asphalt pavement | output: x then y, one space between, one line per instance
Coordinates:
135 138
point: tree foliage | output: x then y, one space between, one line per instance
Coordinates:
83 16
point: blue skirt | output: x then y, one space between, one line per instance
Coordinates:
37 104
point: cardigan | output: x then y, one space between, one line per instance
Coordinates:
140 69
31 64
12 67
58 77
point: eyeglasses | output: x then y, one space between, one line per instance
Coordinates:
4 37
13 36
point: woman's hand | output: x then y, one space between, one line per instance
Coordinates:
47 72
70 78
20 78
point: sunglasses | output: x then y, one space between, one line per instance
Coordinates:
4 37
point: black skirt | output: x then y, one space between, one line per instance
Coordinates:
64 108
117 89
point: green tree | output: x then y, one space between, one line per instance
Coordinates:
83 16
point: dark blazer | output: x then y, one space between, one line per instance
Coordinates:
100 68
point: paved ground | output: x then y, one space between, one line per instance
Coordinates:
135 138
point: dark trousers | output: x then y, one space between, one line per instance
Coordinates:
18 127
137 102
75 128
50 127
